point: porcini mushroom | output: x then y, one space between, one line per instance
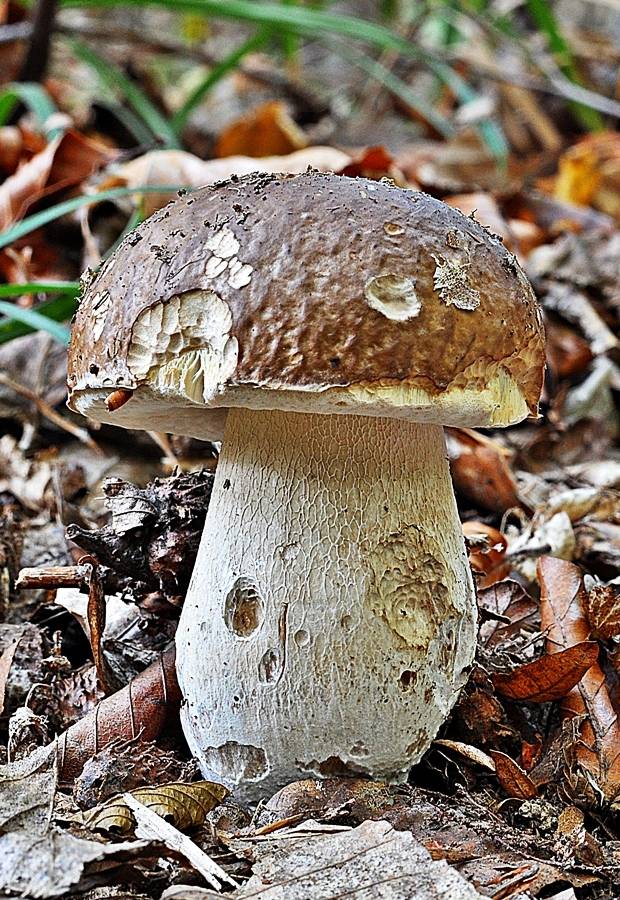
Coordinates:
326 328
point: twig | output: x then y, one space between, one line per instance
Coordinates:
51 577
34 65
152 826
46 410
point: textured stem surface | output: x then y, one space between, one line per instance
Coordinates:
331 612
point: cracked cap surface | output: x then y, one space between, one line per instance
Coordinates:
316 293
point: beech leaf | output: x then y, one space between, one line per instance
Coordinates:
185 805
550 677
562 601
512 778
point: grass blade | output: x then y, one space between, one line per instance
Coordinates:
58 309
35 287
34 98
117 82
215 74
35 321
397 86
39 219
546 22
319 24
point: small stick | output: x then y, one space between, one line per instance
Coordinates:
153 827
34 65
51 577
46 410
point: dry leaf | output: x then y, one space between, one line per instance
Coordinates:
148 704
178 167
487 551
512 778
549 678
589 173
602 606
267 131
507 599
27 790
48 866
370 861
66 161
468 752
374 162
186 805
480 470
567 352
150 825
562 598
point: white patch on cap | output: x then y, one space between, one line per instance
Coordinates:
183 346
393 296
224 246
223 243
451 281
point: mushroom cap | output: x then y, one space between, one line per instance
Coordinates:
315 293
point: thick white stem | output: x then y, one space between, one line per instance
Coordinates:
331 614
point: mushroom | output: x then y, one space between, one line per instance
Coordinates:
326 328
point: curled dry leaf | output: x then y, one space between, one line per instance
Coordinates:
549 678
65 161
468 752
562 599
147 705
185 805
512 778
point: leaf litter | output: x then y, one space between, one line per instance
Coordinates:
518 797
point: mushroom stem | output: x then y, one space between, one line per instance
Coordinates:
331 613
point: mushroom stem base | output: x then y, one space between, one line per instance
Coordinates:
331 615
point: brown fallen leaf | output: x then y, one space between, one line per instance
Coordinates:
480 470
550 677
64 162
268 130
185 805
468 752
602 607
374 162
589 173
487 552
562 599
167 167
147 705
512 778
567 352
507 599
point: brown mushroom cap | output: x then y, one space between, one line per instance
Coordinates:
315 293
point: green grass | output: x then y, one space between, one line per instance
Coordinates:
318 24
46 317
119 84
36 100
45 216
215 74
